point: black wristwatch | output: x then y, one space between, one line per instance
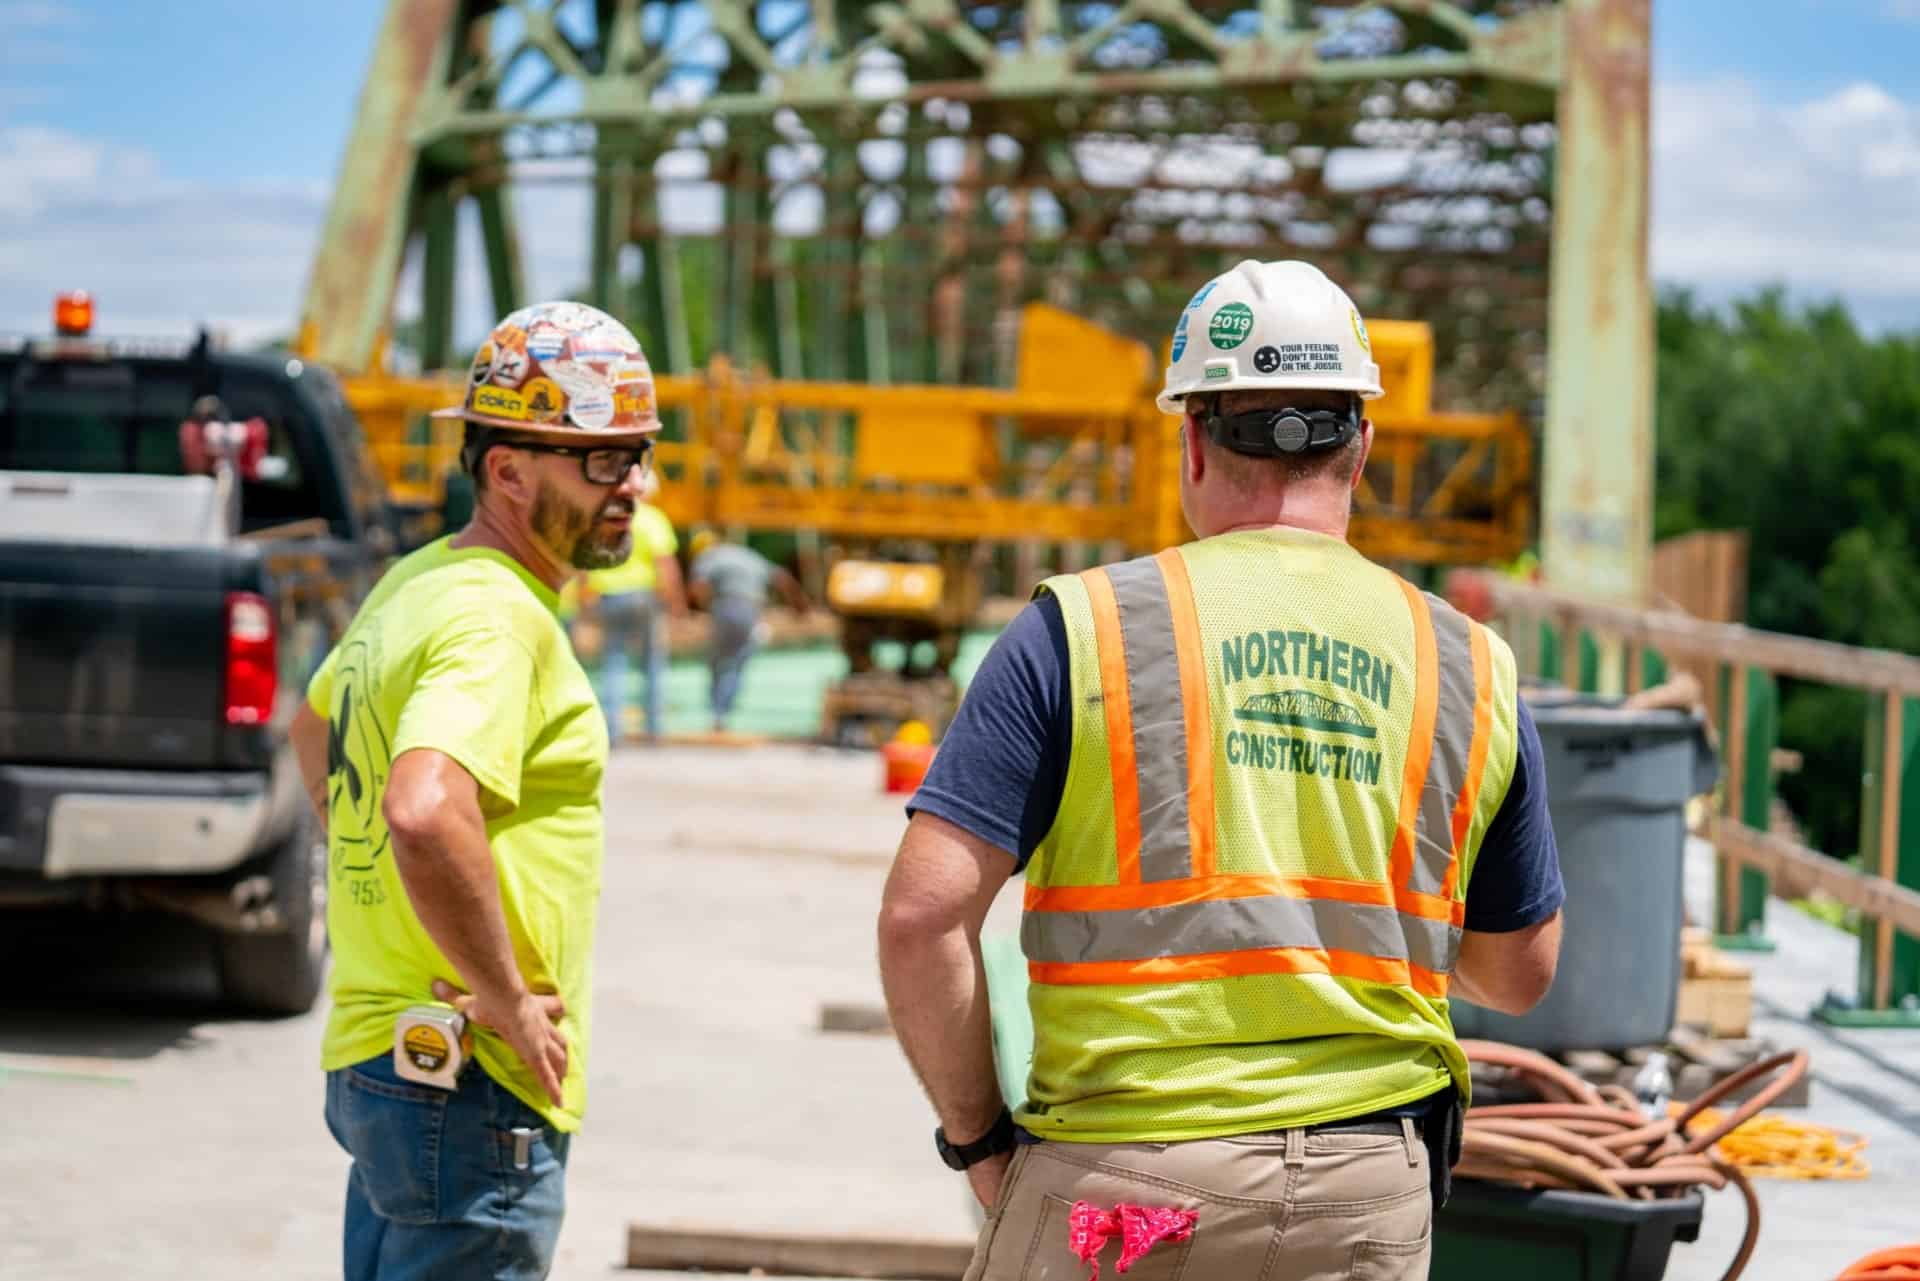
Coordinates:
959 1156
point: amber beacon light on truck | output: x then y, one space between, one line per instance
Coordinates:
73 314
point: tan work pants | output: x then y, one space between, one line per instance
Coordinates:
1289 1206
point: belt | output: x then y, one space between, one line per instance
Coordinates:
1365 1125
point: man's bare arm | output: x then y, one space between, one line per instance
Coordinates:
432 808
1510 972
943 881
669 585
309 736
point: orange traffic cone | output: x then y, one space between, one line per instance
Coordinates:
907 757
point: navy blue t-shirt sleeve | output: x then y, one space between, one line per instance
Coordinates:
1516 879
1002 766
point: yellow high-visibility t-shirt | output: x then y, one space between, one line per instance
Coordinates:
459 651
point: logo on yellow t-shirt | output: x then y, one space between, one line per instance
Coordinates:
359 758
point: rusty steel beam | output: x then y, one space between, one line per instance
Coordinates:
350 290
1597 488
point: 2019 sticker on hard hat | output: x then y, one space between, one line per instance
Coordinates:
1230 326
544 401
592 410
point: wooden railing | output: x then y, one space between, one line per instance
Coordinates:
1623 648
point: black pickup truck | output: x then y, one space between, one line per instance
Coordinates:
157 629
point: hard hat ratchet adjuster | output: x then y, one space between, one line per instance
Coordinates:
1271 433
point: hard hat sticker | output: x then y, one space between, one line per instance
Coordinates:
1186 315
1360 332
1266 360
1230 326
544 401
546 342
511 365
592 410
500 402
635 402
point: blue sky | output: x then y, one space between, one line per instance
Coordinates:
176 154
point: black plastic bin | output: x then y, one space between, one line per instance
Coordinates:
1489 1232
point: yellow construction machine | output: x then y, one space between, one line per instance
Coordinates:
912 488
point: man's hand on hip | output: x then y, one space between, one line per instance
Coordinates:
527 1021
988 1178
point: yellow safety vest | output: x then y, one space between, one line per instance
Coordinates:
1247 909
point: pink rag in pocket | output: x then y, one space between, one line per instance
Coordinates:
1139 1227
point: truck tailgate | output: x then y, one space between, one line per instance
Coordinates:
112 656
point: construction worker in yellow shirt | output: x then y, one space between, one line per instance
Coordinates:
455 749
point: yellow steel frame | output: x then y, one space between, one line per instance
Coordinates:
974 464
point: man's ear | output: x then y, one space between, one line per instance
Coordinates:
1366 447
509 475
1194 449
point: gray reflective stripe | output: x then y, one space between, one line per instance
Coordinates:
1237 925
1159 718
1452 741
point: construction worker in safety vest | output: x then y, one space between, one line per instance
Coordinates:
1275 806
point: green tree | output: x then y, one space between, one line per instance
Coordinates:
1792 424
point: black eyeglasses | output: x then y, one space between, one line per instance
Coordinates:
601 465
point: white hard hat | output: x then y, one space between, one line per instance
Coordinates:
1270 325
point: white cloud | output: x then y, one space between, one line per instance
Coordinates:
160 255
1818 195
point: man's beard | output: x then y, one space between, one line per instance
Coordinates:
577 537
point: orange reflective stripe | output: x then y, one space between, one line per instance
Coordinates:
1197 703
1228 965
1151 894
1476 755
1115 702
1426 702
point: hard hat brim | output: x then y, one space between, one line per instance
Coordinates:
1170 400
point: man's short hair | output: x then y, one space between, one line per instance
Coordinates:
473 454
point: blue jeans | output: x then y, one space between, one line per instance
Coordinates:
433 1191
632 625
733 643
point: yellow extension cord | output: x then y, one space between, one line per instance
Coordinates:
1773 1147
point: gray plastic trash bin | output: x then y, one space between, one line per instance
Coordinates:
1617 784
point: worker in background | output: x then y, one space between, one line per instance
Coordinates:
1275 806
732 581
455 749
630 604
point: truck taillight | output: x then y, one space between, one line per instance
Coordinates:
252 677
